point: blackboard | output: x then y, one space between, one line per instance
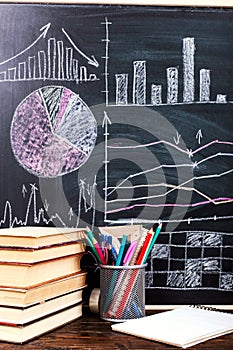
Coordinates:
114 115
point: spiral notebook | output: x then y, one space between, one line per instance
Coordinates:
182 327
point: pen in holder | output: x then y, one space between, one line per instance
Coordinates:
122 292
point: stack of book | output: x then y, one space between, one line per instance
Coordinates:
41 280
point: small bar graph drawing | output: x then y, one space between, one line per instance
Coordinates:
57 62
139 83
174 74
188 69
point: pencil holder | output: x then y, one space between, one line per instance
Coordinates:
122 292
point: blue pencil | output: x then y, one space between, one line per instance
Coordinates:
121 251
115 273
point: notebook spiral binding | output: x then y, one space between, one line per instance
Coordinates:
204 307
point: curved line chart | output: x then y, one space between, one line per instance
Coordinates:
56 60
38 215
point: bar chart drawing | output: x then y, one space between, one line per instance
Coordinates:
59 60
182 84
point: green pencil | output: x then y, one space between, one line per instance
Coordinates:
157 232
89 242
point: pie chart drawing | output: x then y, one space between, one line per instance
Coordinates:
53 132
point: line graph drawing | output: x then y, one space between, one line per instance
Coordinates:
55 61
175 146
48 213
39 215
192 189
209 200
117 201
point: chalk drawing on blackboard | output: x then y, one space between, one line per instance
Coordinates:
38 214
55 61
177 138
192 260
47 214
90 60
140 95
157 190
106 23
199 136
24 191
106 121
53 132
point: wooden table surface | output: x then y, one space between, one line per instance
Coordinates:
91 333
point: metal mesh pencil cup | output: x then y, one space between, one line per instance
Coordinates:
122 292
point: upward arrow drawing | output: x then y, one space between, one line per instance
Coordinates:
199 136
106 120
24 191
70 213
44 31
90 60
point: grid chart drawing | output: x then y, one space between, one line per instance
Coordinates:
192 260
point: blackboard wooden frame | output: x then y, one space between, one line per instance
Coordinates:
208 3
189 3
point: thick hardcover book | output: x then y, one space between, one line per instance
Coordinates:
26 314
20 333
38 236
26 274
22 297
33 255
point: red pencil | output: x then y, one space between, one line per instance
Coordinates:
144 248
99 251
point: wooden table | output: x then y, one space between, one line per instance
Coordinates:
91 333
